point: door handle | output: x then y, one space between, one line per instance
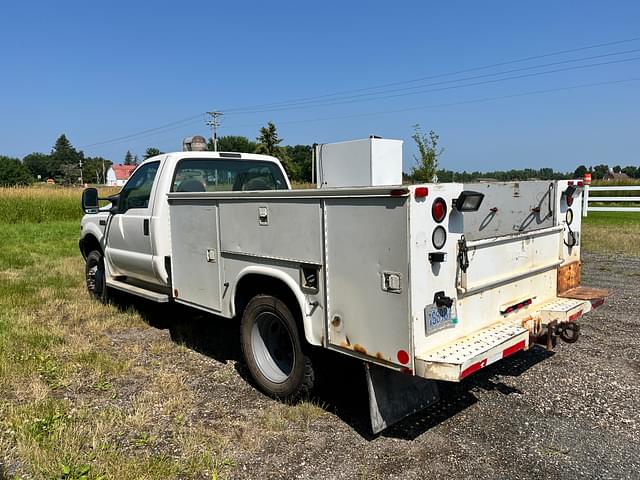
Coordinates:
145 227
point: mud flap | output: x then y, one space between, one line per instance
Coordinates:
394 396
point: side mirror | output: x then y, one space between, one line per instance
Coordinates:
90 200
114 199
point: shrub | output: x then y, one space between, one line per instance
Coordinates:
13 172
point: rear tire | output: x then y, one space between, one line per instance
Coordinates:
95 276
273 351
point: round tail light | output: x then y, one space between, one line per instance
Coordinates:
439 237
569 200
439 210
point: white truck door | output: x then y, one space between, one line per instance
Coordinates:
128 243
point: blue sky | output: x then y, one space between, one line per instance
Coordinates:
100 71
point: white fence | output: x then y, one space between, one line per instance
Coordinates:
587 199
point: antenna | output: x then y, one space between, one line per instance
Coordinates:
214 123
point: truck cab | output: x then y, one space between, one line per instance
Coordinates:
128 240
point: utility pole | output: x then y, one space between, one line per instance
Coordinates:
214 123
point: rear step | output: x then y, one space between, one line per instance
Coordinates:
469 354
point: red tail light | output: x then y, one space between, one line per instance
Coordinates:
569 200
422 192
439 210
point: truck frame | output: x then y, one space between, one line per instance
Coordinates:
421 282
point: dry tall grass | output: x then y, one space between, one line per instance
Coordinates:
42 203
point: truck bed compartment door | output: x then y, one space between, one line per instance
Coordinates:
368 279
195 255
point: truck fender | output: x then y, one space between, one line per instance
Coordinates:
91 229
304 305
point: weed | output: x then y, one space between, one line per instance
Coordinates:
103 386
142 440
72 472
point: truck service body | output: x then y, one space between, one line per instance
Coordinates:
435 281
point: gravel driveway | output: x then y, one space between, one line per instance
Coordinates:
568 414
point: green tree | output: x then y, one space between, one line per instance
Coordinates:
269 144
38 164
617 169
633 172
580 171
70 174
427 160
13 172
268 140
300 158
128 158
94 169
233 143
151 152
63 153
599 171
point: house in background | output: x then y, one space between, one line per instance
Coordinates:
611 175
117 175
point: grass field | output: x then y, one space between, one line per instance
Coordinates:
66 406
61 414
612 232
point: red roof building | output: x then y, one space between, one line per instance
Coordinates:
117 175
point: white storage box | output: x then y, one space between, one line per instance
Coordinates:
359 163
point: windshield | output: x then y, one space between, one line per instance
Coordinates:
220 175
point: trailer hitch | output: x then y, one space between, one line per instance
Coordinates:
568 331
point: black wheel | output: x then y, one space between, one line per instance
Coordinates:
273 350
95 276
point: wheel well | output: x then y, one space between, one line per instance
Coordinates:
254 284
89 244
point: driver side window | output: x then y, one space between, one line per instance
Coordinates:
137 191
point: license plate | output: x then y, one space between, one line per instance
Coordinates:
438 318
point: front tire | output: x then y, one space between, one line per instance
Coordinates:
273 350
95 276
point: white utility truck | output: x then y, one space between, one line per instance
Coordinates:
432 281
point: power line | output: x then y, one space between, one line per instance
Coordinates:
153 133
419 89
423 107
377 95
451 104
149 130
431 77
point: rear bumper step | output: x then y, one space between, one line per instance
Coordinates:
463 357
